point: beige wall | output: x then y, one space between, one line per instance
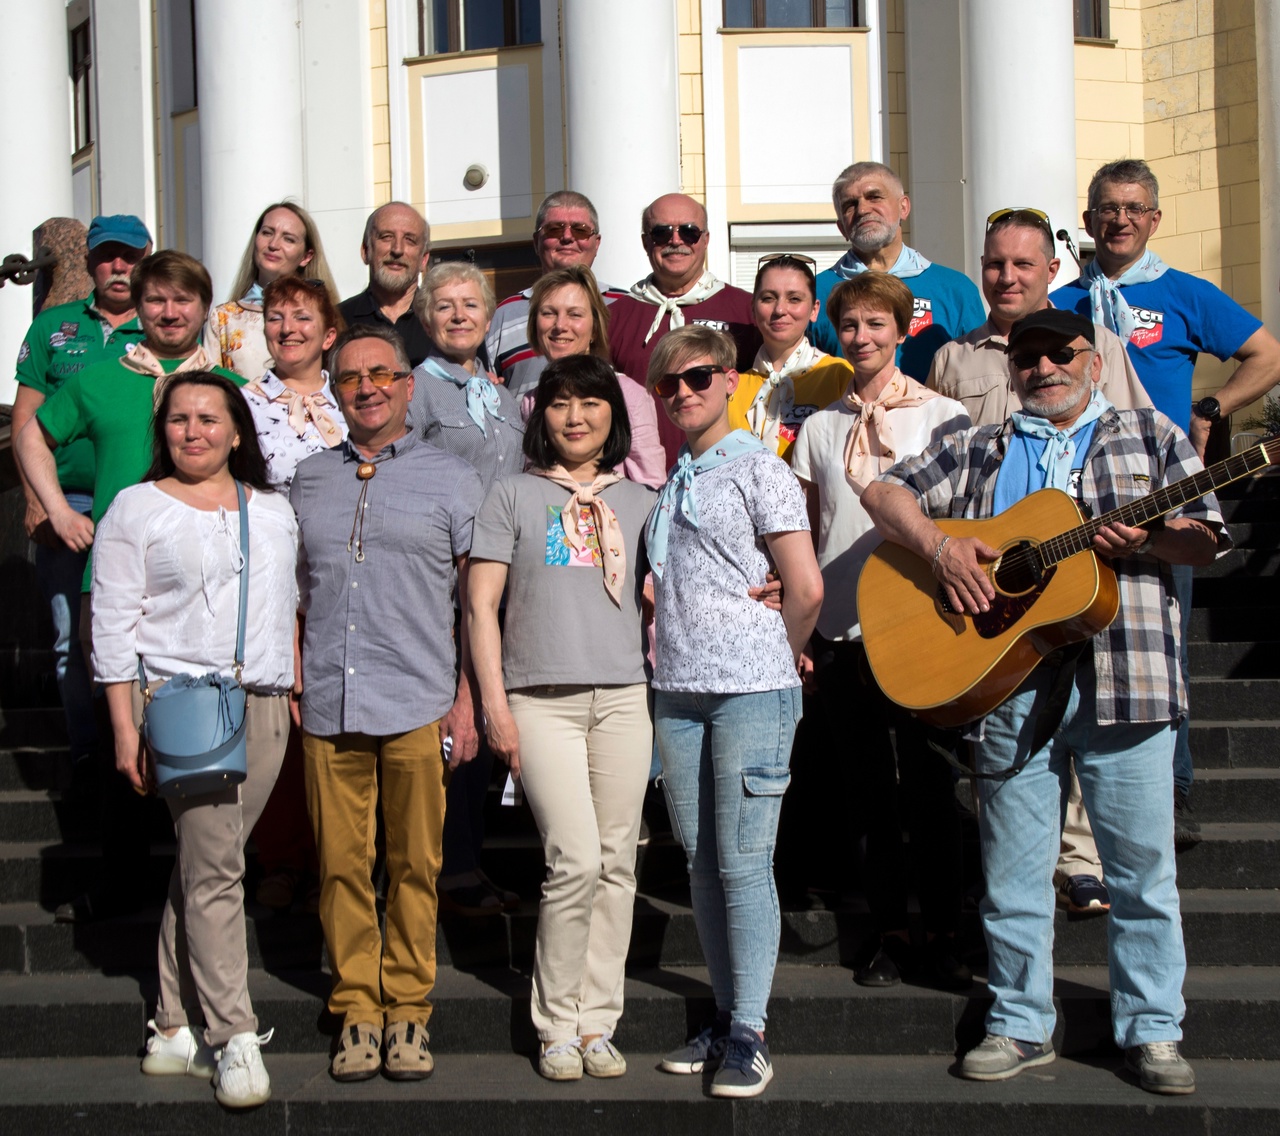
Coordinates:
693 164
896 108
381 100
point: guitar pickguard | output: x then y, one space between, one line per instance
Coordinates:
1006 610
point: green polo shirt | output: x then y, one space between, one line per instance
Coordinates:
111 406
62 341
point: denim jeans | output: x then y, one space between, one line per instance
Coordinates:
1183 577
1126 777
725 764
61 573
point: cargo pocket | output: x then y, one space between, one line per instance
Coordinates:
762 791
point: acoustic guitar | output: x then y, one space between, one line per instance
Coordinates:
1051 590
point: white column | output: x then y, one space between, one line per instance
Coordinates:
1020 136
35 140
622 117
1267 21
123 82
248 59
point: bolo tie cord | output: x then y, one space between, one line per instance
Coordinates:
365 473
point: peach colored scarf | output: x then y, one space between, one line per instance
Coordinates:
869 449
613 552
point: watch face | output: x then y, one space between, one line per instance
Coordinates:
1209 408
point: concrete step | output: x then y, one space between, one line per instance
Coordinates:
32 726
1222 927
50 815
1246 623
1240 745
1235 699
1231 1012
850 1096
1234 660
34 767
1234 795
1262 532
1245 562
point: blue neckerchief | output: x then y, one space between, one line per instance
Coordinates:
254 295
909 263
1042 456
678 492
482 395
1110 308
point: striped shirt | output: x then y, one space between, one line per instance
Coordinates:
1133 453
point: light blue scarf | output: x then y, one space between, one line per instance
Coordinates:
254 295
1110 308
909 263
482 395
678 492
1058 457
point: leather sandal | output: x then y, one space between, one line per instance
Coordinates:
358 1057
408 1058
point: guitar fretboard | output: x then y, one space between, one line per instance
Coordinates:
1166 500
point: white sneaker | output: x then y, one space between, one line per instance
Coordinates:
177 1056
241 1080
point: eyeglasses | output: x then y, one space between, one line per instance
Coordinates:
1060 357
579 230
690 233
1135 211
1037 217
781 259
695 378
380 377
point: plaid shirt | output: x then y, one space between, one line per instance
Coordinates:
1133 453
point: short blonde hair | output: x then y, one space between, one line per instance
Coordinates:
450 272
688 342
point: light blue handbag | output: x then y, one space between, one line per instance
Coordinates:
194 725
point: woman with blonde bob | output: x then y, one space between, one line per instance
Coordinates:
285 242
568 316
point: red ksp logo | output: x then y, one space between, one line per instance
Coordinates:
1150 327
921 315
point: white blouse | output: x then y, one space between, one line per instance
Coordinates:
166 586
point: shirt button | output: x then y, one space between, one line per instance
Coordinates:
351 627
351 670
355 583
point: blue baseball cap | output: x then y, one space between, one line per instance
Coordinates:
121 228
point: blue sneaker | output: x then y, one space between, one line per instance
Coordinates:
746 1069
698 1053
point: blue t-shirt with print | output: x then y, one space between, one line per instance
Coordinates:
1179 315
947 304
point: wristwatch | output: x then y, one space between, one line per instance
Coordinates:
1208 408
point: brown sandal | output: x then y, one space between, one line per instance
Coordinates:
408 1058
358 1057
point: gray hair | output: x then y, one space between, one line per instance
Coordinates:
850 174
566 199
1125 171
368 331
448 272
371 226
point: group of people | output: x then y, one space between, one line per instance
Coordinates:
720 465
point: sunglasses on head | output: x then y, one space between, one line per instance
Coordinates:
690 233
695 378
579 230
381 377
782 259
1059 357
1037 217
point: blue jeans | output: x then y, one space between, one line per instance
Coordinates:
1126 780
1183 576
725 764
61 574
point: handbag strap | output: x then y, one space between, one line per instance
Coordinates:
244 594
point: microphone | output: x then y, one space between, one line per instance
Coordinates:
1065 238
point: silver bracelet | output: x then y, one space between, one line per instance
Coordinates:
937 552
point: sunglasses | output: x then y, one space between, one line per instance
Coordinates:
695 378
1026 360
690 233
579 230
1036 216
781 259
380 377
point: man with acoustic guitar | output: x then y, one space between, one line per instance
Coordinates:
1113 705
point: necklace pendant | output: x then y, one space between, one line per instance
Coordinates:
366 470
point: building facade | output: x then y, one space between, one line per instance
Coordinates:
196 113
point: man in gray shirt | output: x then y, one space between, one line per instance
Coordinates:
384 519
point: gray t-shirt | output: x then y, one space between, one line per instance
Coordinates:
561 625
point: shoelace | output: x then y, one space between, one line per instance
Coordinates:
563 1047
601 1044
738 1053
1162 1050
240 1058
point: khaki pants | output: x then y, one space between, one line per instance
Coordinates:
584 762
375 981
203 956
1078 855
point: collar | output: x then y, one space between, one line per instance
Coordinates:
366 304
273 387
91 309
390 450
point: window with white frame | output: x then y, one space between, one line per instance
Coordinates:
790 14
477 25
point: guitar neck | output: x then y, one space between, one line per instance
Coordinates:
1166 500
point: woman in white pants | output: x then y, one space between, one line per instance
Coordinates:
565 696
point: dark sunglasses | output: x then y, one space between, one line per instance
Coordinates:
695 378
690 233
381 377
1037 217
1026 360
580 230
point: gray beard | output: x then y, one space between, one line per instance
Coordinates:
393 282
874 243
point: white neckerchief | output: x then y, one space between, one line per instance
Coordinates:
766 413
648 291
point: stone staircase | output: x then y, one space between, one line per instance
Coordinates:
74 1000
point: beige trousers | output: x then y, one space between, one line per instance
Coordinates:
203 956
1078 855
585 754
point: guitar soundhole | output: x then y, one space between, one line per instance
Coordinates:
1020 569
